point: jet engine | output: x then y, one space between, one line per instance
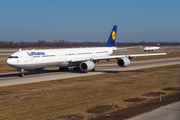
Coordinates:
123 62
87 66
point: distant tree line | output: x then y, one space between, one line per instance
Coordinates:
68 44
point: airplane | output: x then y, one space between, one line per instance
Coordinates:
82 59
152 48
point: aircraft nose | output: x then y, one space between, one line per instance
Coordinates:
8 61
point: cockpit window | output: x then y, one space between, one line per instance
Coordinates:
13 56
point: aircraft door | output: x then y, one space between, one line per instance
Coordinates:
60 56
26 59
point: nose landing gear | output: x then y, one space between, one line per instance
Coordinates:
21 73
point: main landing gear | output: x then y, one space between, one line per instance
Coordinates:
63 68
21 73
66 68
77 68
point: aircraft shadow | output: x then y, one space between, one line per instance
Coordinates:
9 75
106 71
34 72
30 73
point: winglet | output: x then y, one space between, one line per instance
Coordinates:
112 37
170 51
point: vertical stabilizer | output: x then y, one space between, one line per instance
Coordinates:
112 37
158 45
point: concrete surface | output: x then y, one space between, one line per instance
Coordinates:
47 75
169 112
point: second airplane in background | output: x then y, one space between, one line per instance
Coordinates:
152 48
82 59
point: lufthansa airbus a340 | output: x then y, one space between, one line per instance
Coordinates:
82 59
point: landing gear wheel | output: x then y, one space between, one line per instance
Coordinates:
77 69
59 68
63 68
21 75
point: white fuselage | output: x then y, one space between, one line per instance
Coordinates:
27 59
151 48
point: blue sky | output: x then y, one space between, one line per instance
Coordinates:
90 20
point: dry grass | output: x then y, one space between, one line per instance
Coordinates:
75 96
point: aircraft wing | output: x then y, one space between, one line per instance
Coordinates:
138 55
114 57
129 56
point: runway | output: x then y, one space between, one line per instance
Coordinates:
3 58
48 75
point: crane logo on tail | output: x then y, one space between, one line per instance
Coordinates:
113 35
158 45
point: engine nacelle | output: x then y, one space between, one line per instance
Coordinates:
87 66
123 62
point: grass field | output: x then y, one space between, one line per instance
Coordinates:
88 97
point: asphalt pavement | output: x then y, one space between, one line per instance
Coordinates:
169 112
48 75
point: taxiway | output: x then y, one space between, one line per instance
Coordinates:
48 75
168 112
